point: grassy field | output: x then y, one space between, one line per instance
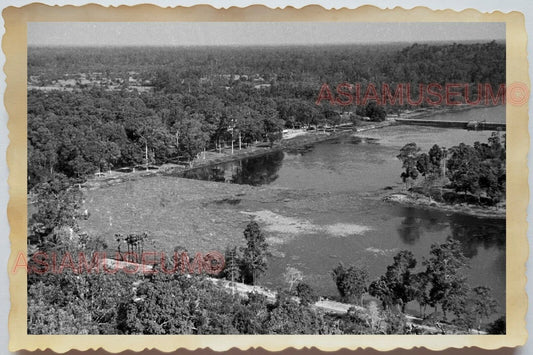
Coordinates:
198 215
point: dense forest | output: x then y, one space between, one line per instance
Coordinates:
94 109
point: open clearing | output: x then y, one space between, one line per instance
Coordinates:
203 216
199 215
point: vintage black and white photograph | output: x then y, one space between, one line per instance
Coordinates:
266 178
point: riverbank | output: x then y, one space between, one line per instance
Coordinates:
213 158
302 139
312 137
297 141
433 111
412 199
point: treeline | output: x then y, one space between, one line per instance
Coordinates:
295 65
478 170
207 97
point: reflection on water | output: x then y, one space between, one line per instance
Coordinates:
393 228
474 234
416 221
359 166
261 170
409 230
343 164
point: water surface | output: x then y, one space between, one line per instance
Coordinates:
347 174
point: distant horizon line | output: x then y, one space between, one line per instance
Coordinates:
264 45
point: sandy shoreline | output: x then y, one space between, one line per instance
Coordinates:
420 201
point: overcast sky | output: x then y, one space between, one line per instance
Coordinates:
252 33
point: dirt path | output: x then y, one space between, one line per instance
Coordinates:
324 305
417 200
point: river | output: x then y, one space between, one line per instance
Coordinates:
350 224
